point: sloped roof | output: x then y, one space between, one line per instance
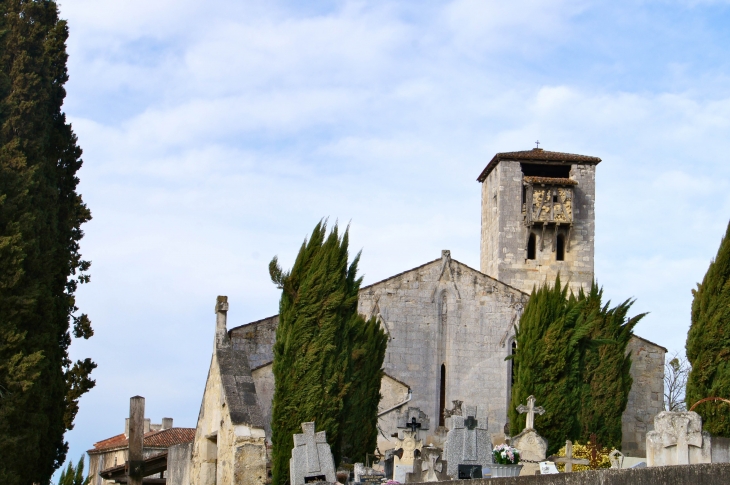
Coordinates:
238 386
537 155
152 439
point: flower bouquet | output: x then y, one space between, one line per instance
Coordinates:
506 461
506 455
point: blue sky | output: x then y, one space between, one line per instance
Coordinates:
216 134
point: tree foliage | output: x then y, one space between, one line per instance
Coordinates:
571 355
40 228
605 368
708 343
676 372
327 359
74 475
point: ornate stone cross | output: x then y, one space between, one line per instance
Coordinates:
530 409
409 444
681 430
568 458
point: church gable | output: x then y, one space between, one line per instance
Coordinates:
449 328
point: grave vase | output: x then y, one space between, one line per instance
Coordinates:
505 470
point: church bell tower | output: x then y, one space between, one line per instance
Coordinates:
538 218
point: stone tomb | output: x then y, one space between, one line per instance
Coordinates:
532 446
468 445
311 458
678 439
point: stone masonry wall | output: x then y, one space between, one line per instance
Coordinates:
505 236
646 398
447 313
257 340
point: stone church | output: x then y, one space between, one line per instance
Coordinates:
450 326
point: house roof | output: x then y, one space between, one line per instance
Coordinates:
537 155
152 439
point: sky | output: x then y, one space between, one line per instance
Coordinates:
216 135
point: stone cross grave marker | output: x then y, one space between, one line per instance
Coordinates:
413 425
311 457
678 439
530 409
413 419
617 459
409 444
467 442
568 458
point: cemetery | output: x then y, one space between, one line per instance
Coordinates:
445 333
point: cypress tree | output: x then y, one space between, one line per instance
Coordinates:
360 409
606 369
552 335
40 266
708 343
319 349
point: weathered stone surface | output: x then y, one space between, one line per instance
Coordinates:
311 457
230 440
533 448
411 415
706 474
646 398
678 439
409 444
468 441
429 467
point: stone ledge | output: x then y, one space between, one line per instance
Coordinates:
707 474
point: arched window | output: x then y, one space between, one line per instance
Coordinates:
531 246
442 396
560 248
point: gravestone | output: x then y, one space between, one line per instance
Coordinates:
678 439
411 445
532 446
413 419
617 459
468 441
364 474
569 460
311 458
429 467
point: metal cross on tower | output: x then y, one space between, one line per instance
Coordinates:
537 143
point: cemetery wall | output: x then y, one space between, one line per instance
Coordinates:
505 235
706 474
445 313
646 398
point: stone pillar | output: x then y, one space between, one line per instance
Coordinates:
135 472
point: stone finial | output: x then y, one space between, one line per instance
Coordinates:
221 326
445 254
221 304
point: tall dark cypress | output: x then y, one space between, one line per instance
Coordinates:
708 343
40 228
318 298
368 343
606 369
552 335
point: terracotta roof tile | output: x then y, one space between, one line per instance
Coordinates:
537 155
154 439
